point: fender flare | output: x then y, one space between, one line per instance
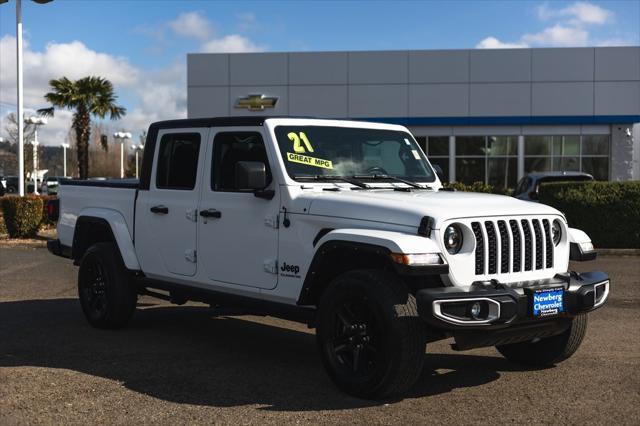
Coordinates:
580 245
373 242
119 232
395 242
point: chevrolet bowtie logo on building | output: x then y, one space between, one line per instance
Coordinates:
256 102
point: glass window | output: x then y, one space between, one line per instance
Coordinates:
470 170
589 153
470 145
537 164
229 148
566 145
566 164
422 141
537 145
502 172
595 145
502 145
598 167
438 146
310 151
177 166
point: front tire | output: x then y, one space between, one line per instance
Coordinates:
550 350
371 340
106 295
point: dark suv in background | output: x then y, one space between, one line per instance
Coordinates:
528 187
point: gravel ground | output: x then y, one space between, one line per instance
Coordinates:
185 365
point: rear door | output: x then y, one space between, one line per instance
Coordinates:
238 240
166 214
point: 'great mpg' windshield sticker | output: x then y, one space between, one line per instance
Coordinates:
309 161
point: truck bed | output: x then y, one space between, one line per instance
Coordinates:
78 197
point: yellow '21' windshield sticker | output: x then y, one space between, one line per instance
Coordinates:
309 161
298 140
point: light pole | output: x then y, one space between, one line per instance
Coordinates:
123 136
36 121
64 158
137 148
20 111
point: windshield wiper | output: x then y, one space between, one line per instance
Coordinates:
352 180
393 178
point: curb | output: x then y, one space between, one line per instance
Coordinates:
619 252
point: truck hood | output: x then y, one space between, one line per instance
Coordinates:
408 208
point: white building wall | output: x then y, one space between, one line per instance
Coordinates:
440 92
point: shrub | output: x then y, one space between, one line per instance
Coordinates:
22 216
46 223
3 228
609 212
478 187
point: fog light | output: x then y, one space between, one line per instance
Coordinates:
475 311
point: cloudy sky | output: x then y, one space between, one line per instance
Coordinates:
141 45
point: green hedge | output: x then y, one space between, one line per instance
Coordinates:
3 227
609 212
45 222
22 216
478 187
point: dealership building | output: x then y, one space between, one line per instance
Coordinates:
482 115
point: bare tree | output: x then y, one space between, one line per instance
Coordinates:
12 129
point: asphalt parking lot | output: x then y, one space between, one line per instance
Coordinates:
187 365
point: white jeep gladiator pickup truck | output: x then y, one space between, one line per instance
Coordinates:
343 225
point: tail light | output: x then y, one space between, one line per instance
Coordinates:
53 209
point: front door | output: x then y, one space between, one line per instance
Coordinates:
237 231
166 215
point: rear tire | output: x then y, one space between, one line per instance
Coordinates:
106 294
550 350
371 340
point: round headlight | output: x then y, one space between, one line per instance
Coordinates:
453 239
556 232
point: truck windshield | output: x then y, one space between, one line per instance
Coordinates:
312 151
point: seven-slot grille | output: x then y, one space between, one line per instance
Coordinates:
507 246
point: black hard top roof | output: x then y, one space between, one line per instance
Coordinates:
216 122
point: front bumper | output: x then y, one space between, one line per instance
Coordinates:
508 309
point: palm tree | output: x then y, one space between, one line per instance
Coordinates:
87 97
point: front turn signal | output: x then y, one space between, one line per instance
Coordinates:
419 259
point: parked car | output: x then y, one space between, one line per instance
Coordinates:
50 185
528 187
11 184
338 224
3 186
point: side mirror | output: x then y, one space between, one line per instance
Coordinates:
250 175
438 171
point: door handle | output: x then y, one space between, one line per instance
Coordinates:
211 213
159 209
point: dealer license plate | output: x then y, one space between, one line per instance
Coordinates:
548 302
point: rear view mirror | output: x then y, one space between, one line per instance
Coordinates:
250 175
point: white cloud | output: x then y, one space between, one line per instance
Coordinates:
233 43
494 43
577 13
157 94
161 95
152 95
570 28
558 35
192 24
